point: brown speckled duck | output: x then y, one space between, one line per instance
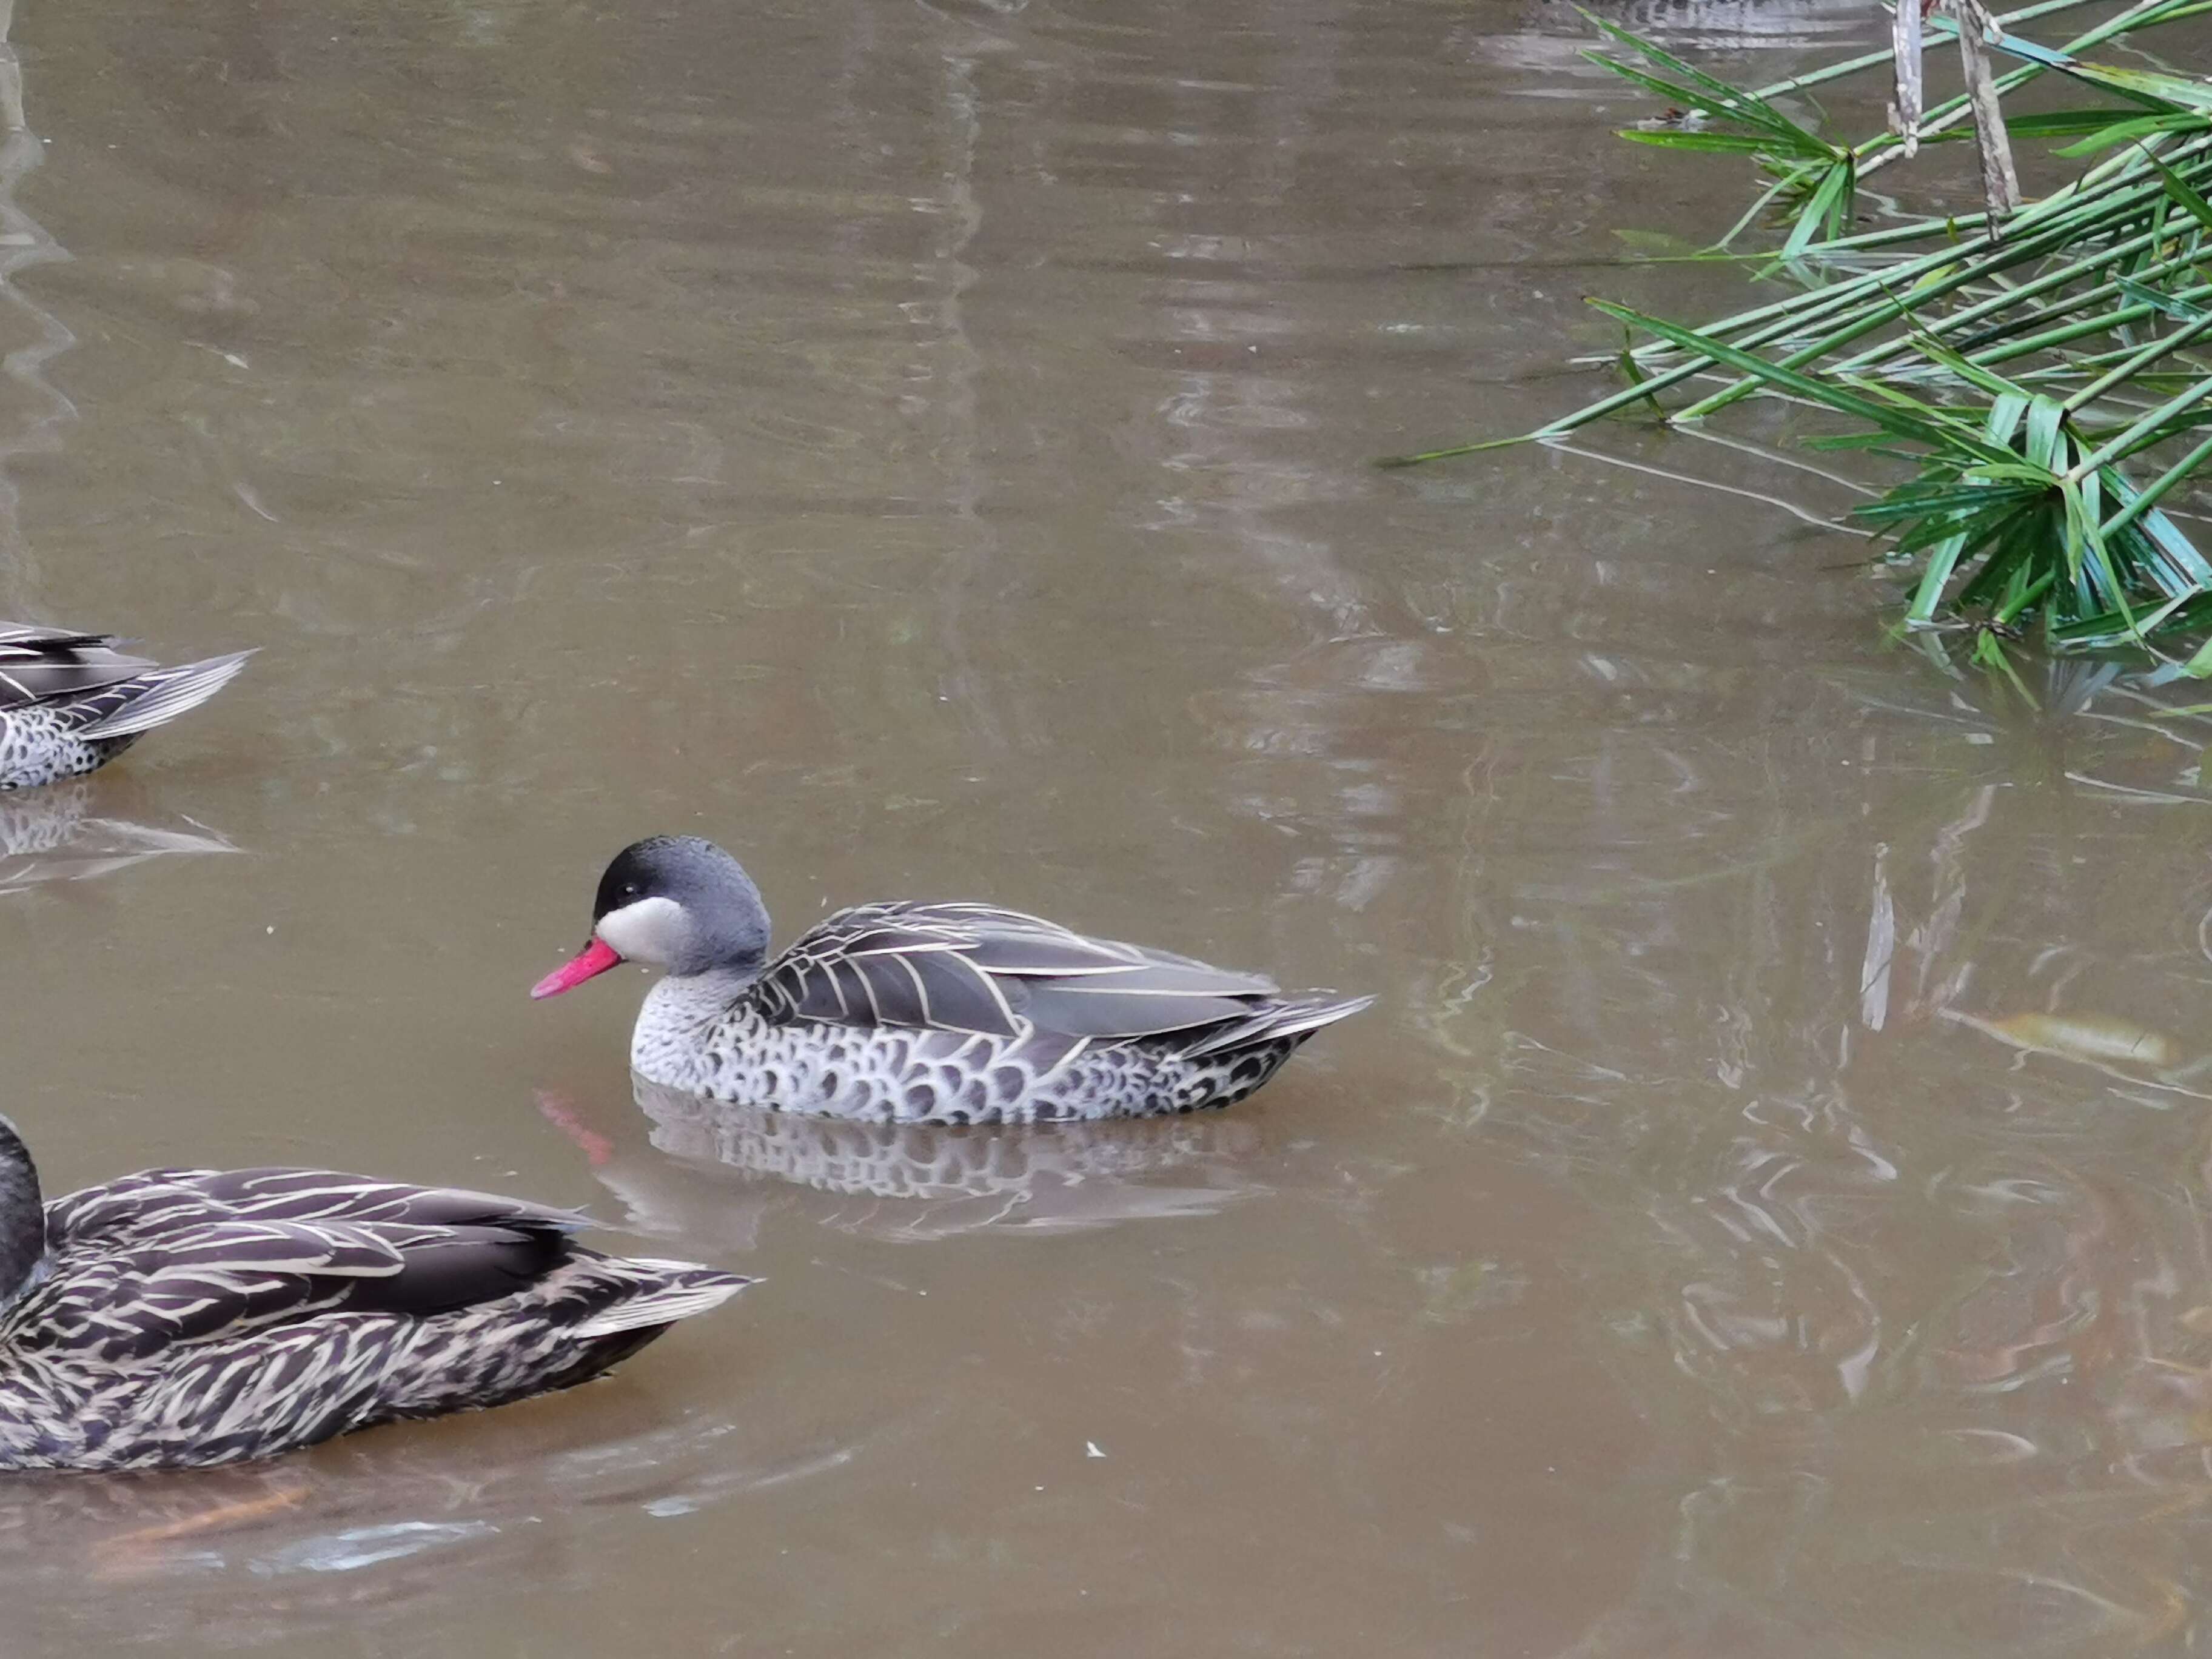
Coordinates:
187 1317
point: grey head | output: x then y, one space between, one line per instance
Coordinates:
22 1218
683 904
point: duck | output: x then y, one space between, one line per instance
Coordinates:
184 1318
70 703
918 1013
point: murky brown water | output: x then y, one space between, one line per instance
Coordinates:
925 447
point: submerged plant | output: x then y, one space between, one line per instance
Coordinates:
2038 366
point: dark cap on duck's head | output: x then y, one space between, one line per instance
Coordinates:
670 901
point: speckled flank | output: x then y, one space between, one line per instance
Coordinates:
701 1036
40 745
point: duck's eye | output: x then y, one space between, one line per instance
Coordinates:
630 889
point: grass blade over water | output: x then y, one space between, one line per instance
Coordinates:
2046 372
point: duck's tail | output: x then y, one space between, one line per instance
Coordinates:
1299 1015
683 1289
146 701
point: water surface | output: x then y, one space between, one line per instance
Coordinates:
925 446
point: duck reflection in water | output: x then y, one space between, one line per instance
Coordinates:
77 832
709 1170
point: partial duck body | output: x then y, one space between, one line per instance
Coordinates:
188 1317
70 703
923 1013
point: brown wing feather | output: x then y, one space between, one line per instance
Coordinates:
976 968
39 665
180 1256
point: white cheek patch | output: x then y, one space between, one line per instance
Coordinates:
653 931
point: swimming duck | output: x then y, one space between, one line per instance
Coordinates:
923 1014
187 1317
69 702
